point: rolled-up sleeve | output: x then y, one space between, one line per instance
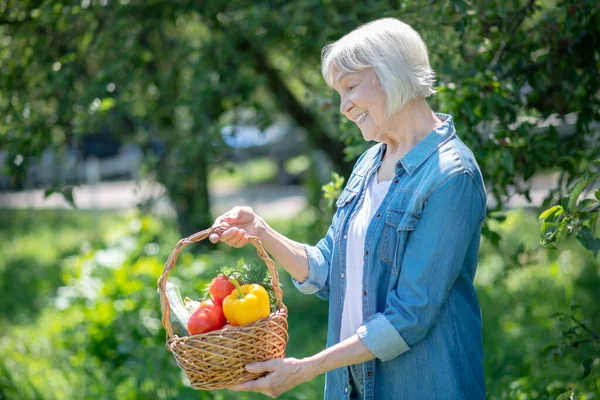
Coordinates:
431 263
319 262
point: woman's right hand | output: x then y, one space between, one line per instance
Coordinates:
241 223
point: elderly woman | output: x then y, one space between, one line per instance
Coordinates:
398 261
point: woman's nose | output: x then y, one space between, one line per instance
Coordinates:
345 106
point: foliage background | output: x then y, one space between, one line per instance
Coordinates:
82 319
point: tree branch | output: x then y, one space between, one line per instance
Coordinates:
584 327
315 129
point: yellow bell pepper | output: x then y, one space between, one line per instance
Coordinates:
246 304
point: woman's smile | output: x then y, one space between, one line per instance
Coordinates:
361 117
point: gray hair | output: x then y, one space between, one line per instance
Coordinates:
394 50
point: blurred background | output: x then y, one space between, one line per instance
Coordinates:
127 125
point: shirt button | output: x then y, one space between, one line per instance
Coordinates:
367 252
369 373
346 389
378 215
342 274
364 292
345 237
396 181
399 165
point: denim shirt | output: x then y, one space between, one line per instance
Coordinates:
421 316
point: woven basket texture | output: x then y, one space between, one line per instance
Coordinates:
217 360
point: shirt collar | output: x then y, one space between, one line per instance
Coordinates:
426 147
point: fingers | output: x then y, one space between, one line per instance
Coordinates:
263 366
220 221
282 377
240 243
243 387
214 237
261 385
233 237
239 240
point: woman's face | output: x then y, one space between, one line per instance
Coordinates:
363 101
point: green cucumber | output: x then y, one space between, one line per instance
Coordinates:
179 313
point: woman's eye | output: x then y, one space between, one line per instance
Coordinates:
351 88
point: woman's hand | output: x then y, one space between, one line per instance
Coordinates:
284 374
287 373
241 223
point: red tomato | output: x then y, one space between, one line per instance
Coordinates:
220 287
217 309
208 317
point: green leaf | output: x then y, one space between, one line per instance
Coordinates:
587 368
491 235
549 350
498 217
559 315
597 194
333 189
568 395
107 103
588 240
68 193
508 161
565 203
581 184
572 331
590 206
548 228
553 211
561 234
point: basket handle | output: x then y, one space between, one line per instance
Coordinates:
197 237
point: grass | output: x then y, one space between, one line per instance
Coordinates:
33 244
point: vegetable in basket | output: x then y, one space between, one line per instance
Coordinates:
217 360
248 303
208 317
246 273
220 287
179 313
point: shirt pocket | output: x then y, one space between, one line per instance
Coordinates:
343 211
398 225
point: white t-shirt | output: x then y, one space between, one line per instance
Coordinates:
352 316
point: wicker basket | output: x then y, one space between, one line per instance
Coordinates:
217 360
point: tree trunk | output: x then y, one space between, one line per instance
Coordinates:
193 202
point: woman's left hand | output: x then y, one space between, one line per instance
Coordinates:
284 374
